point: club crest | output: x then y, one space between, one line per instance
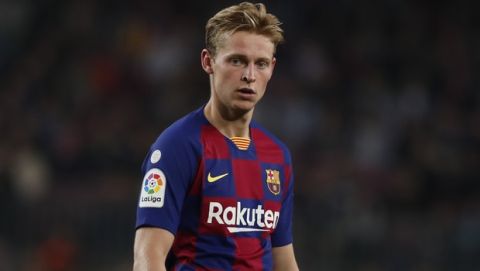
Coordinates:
273 181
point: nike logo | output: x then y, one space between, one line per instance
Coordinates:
216 178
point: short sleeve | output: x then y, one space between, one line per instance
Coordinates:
168 171
283 233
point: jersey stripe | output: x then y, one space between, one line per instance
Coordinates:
242 143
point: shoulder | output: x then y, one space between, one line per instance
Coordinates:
183 132
266 138
178 147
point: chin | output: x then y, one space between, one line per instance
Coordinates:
244 106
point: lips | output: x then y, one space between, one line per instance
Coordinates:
246 94
247 91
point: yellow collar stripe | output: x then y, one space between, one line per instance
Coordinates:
242 143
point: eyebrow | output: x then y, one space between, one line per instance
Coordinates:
244 57
240 56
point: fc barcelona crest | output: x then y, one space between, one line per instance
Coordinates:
273 181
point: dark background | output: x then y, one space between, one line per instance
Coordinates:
378 101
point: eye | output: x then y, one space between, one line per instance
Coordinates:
262 64
236 61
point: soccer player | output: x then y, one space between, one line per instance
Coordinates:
217 191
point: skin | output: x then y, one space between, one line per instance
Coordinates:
151 249
239 74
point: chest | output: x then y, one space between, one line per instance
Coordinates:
241 195
245 179
241 190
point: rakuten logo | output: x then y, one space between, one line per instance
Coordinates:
257 219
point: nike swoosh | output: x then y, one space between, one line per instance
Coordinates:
216 178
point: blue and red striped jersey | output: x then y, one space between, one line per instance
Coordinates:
226 207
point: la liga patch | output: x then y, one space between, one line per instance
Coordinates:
153 189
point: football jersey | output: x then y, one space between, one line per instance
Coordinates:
225 206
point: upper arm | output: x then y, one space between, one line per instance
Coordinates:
151 248
168 169
284 258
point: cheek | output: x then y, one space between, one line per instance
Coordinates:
226 77
265 77
232 74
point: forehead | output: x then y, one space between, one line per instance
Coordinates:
246 43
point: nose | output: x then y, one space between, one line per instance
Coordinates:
248 75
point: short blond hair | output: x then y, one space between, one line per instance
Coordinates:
242 17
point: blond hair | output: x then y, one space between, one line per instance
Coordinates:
242 17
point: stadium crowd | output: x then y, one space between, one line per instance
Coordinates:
378 101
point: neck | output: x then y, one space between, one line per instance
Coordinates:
228 122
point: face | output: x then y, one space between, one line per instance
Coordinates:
240 71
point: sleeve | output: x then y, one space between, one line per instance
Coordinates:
168 170
283 233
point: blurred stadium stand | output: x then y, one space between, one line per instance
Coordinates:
378 100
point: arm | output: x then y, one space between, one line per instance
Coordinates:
151 249
284 258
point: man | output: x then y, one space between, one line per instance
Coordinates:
217 192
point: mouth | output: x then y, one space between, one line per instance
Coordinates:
247 91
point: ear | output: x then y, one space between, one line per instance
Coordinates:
207 61
274 61
272 67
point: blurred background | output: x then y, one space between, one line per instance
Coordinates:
378 101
